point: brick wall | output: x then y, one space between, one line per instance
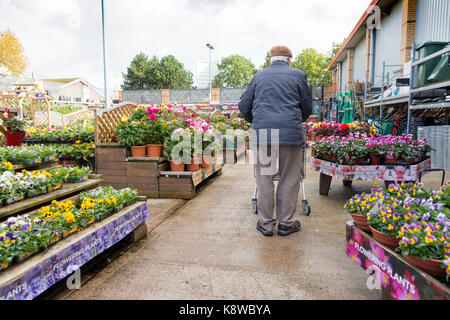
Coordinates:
408 29
350 61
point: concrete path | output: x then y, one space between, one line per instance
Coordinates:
209 249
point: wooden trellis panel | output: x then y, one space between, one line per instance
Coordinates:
107 120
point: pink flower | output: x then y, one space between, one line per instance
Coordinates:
163 115
155 110
184 108
149 110
169 110
192 115
152 117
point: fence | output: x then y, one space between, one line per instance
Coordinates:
61 120
107 119
187 96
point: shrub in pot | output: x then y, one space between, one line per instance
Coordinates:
131 134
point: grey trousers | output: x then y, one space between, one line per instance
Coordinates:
290 171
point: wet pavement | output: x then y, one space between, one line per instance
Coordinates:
210 249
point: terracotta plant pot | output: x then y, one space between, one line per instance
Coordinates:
206 162
430 266
15 139
360 160
177 165
361 221
138 151
194 165
390 160
385 239
154 150
375 160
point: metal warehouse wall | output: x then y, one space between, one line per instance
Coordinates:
359 61
432 21
388 41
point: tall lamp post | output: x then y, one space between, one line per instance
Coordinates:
210 47
104 56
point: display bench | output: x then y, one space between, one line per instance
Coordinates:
66 190
183 185
397 278
38 273
389 173
148 175
37 165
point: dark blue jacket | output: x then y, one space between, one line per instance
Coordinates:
278 97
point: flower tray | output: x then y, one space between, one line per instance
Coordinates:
14 199
55 239
118 208
32 194
405 163
76 179
24 256
362 163
130 202
67 233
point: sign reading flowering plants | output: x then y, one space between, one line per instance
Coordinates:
399 278
412 221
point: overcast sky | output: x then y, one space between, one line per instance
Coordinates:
62 38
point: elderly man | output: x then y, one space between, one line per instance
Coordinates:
276 102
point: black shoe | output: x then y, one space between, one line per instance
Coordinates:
284 231
265 232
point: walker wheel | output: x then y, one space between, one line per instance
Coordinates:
255 206
306 208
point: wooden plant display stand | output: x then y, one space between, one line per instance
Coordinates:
29 279
182 185
397 278
148 175
387 172
38 201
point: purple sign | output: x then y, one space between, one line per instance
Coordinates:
44 275
398 278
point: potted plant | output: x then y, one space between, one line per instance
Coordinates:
360 205
155 131
131 134
16 130
177 149
376 153
425 246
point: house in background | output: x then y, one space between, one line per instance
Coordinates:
71 90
